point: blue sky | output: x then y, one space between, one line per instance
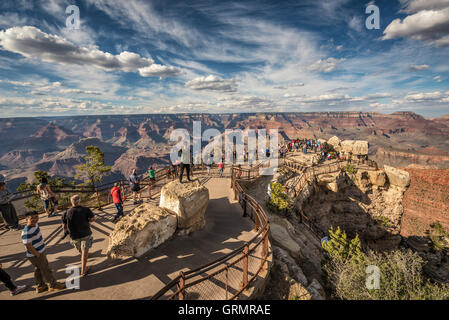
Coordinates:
223 56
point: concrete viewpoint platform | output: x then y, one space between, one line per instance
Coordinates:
132 278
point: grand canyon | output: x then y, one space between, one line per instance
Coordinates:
402 139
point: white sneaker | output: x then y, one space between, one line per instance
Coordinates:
18 290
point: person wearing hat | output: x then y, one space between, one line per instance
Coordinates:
7 210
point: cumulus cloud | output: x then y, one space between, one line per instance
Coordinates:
325 65
157 70
437 79
419 67
31 42
428 21
212 83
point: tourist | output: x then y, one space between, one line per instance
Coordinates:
36 254
78 219
7 210
220 168
239 174
185 165
6 279
135 186
152 176
47 195
117 199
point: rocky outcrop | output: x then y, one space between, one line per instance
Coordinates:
145 228
282 238
335 142
397 177
378 178
189 201
357 147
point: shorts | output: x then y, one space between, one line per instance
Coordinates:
47 202
83 244
135 188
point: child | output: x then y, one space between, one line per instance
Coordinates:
36 254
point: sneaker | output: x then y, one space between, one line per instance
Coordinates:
41 289
57 286
18 290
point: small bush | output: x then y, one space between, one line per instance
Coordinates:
400 273
279 199
350 169
437 235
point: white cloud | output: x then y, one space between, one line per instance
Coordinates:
326 65
157 70
419 67
212 83
356 24
429 25
33 43
437 79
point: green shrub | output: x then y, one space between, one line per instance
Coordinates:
350 169
279 199
400 271
437 234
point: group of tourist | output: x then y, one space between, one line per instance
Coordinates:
300 144
75 222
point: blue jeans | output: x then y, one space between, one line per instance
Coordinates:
119 210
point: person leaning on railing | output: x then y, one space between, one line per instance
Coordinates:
7 210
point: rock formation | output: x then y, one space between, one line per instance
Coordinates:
189 201
145 228
397 177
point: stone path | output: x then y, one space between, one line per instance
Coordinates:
225 231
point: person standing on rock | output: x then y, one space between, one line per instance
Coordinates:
78 219
7 210
185 164
117 199
37 255
135 186
47 195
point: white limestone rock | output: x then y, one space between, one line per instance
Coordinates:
189 201
145 228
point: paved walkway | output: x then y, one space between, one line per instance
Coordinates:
225 230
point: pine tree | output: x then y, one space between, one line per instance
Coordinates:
93 170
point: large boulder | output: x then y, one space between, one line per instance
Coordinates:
189 201
397 177
335 142
145 228
357 147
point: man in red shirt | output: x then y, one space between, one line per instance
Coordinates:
117 199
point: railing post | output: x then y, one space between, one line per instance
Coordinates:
245 266
245 213
181 286
265 243
98 198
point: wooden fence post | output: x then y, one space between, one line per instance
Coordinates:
245 265
181 285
